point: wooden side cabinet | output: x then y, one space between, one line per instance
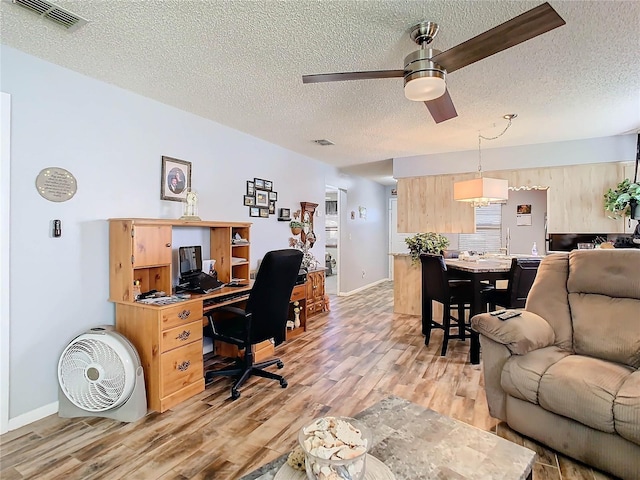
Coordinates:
315 292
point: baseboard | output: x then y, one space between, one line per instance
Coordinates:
358 290
32 416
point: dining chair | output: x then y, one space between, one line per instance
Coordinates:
452 294
521 276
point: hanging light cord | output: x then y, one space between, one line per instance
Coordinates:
480 138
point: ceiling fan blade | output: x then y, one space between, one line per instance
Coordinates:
442 108
339 77
524 27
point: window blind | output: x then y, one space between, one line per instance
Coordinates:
488 236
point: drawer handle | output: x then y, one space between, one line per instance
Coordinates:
184 366
184 314
184 335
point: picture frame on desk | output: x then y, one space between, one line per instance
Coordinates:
175 181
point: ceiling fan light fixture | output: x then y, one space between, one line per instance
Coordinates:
424 80
428 86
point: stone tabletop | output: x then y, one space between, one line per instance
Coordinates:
418 443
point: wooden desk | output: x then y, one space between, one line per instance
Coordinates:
168 339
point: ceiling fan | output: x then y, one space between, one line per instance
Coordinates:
426 69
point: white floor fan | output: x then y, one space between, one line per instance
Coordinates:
100 375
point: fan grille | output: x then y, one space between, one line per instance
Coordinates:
92 375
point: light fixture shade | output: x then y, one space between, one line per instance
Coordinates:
429 86
481 191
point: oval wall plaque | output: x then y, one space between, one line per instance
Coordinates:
56 184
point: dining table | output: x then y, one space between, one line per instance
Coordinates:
480 271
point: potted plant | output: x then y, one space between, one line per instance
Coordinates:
296 226
623 200
426 243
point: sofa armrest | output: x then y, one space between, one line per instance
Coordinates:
520 334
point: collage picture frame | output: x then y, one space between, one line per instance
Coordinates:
260 198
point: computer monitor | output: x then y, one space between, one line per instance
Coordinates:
190 259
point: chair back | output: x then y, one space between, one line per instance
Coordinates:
435 284
269 299
521 276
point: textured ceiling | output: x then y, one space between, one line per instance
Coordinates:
240 63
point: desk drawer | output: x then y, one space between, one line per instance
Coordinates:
180 368
298 293
181 314
181 335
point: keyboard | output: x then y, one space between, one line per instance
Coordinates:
224 298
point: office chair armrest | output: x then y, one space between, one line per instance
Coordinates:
520 335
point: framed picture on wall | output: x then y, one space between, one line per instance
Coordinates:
254 212
268 185
264 212
273 196
262 198
272 208
251 189
249 200
259 183
284 214
175 181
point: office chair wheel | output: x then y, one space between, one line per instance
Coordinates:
280 365
235 394
283 383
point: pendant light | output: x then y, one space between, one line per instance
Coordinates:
482 191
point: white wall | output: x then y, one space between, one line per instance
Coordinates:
619 148
112 141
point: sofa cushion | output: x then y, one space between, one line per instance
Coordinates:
583 389
606 327
609 272
626 409
521 374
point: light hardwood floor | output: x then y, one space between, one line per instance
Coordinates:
349 359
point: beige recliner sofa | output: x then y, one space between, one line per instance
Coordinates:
565 372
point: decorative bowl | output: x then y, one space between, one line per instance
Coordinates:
335 448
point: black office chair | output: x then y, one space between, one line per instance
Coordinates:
521 276
457 294
263 318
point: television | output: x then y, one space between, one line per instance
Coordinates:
190 259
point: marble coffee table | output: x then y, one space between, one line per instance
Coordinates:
418 443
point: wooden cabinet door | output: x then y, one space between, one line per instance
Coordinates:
151 245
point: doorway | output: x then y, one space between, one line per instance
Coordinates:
332 239
524 221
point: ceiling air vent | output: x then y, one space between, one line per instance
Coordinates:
52 12
324 142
